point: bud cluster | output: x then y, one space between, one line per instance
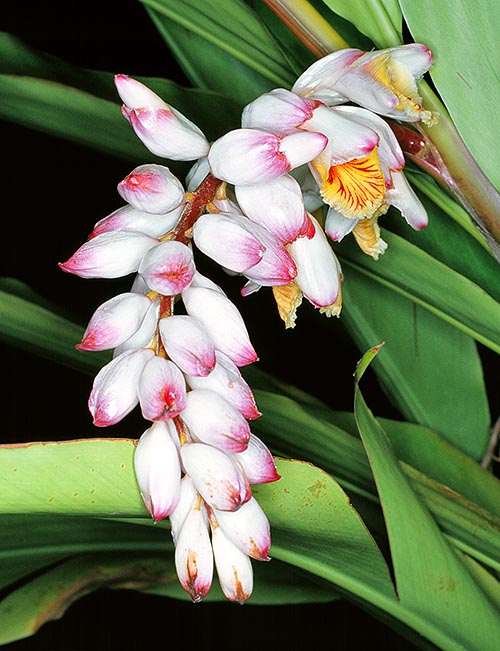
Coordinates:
178 341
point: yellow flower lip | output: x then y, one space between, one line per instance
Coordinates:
356 188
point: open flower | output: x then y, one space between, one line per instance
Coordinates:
384 81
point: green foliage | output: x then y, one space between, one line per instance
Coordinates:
466 67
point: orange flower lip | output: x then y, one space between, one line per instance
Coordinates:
355 188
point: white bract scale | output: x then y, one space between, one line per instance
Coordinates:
168 268
162 390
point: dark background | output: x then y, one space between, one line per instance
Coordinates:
53 192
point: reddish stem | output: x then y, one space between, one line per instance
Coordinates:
203 194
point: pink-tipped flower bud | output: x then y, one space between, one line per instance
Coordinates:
318 268
152 188
228 240
248 528
109 255
247 156
188 497
224 238
164 131
258 462
135 94
234 567
279 111
168 268
128 218
194 556
211 419
158 469
114 392
277 205
217 477
162 390
188 344
223 322
143 337
115 321
227 381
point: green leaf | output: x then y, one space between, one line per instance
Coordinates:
309 512
467 81
449 234
379 20
430 370
26 320
417 275
91 96
48 596
232 27
69 113
209 67
430 578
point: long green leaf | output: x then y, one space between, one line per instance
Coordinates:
380 20
36 87
81 117
308 510
233 28
430 370
430 283
430 578
466 66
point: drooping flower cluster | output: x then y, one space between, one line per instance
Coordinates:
248 204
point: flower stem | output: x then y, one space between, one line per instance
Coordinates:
195 206
308 25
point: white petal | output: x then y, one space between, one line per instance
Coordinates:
188 344
187 499
222 321
246 156
217 478
227 381
402 196
168 134
114 392
258 462
143 337
135 94
228 240
193 556
276 205
337 226
158 470
234 567
162 390
128 218
115 321
319 79
248 528
211 419
278 111
317 266
109 255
